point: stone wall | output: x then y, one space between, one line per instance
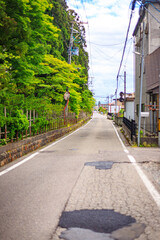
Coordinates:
12 151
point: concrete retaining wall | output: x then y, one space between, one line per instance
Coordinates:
15 150
118 120
127 134
149 140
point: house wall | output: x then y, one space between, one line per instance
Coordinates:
138 59
152 64
151 43
154 35
129 114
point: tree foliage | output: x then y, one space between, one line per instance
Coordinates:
34 72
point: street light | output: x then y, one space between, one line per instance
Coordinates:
137 53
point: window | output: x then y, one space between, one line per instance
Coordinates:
137 110
142 107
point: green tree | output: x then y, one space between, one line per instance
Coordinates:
34 72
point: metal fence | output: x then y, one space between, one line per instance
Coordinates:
131 125
37 125
110 114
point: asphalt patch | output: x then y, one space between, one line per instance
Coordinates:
102 221
73 149
130 232
101 165
84 234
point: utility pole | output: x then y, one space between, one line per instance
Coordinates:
91 81
71 40
159 115
124 91
116 96
133 7
141 86
108 103
70 45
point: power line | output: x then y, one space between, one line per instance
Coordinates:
84 9
132 9
76 5
109 45
128 51
155 7
109 58
141 4
125 41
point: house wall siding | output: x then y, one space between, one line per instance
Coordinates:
154 35
151 43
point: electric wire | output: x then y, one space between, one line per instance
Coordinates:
76 4
141 4
155 7
133 1
125 45
129 49
152 15
109 58
109 45
90 51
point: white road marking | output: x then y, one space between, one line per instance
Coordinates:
150 187
18 164
124 148
52 144
36 153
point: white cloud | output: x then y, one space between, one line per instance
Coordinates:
107 25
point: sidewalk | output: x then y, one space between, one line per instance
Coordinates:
148 158
111 202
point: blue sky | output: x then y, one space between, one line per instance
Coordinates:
105 35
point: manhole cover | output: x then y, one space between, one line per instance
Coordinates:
101 165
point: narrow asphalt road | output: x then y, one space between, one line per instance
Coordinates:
33 195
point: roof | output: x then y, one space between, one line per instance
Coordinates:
130 99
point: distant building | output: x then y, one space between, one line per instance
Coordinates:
112 106
105 106
120 103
